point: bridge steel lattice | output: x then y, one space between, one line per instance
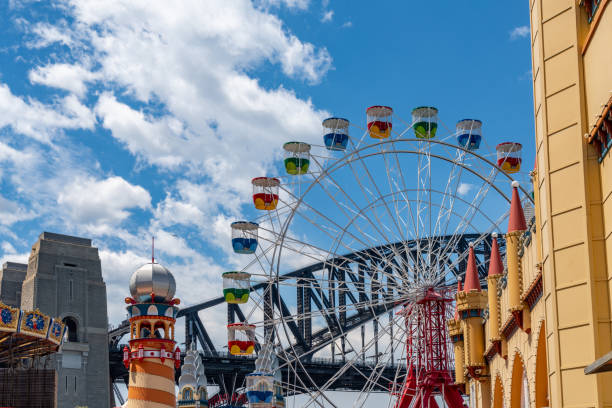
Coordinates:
228 371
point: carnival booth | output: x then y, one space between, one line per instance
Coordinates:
469 133
425 122
297 157
336 133
265 192
260 390
236 287
379 121
241 339
244 237
509 156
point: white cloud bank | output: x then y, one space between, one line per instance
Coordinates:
175 87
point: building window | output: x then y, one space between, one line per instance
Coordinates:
591 7
71 329
601 134
187 394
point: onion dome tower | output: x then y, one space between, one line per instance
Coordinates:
516 227
470 304
152 355
496 270
456 335
192 382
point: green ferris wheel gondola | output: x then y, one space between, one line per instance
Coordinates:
425 122
236 287
297 158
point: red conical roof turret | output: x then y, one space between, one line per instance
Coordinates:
471 274
517 217
496 267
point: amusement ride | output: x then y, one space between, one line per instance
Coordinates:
381 210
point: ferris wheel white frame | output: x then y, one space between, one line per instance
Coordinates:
280 240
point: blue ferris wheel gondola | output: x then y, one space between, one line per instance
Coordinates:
469 133
260 389
336 133
244 237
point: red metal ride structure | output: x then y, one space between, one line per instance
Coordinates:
427 353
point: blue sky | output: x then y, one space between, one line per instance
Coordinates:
123 119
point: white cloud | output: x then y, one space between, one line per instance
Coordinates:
47 34
348 24
99 205
12 212
519 32
292 4
42 121
327 16
464 188
69 77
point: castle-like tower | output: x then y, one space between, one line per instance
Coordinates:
471 302
64 279
152 355
192 382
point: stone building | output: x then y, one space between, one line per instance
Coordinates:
64 279
546 331
11 279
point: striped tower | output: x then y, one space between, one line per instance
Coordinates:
152 355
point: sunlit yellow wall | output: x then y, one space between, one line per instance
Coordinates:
598 91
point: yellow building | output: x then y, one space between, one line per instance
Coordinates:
547 328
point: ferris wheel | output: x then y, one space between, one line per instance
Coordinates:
370 232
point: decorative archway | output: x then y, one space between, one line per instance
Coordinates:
519 389
498 393
541 372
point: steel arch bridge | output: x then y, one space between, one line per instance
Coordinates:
228 371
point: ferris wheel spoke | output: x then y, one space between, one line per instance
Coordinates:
374 198
347 196
369 195
470 213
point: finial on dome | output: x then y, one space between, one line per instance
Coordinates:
152 282
515 184
494 235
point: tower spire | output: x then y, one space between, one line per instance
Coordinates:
516 222
496 267
471 274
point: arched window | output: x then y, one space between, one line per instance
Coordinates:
145 330
187 394
72 334
160 331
